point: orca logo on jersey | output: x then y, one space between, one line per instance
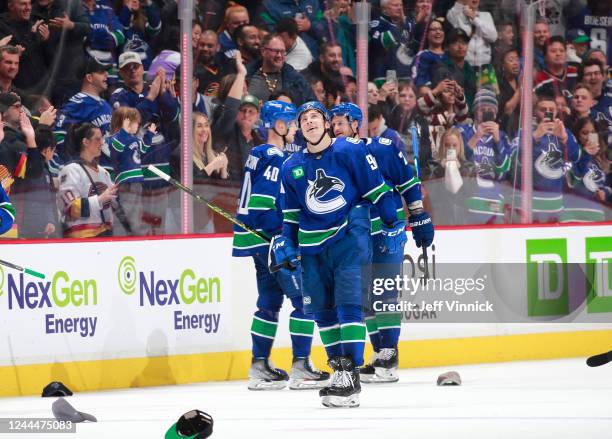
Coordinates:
549 164
317 189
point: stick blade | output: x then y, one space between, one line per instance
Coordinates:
599 359
158 172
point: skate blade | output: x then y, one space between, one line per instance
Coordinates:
385 375
367 378
340 401
307 384
258 384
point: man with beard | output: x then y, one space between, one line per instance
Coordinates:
214 64
328 67
248 42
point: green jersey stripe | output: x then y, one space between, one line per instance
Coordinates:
308 238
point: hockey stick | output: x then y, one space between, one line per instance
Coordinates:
599 359
25 270
225 214
415 152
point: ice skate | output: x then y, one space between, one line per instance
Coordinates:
305 376
385 366
344 387
264 376
367 373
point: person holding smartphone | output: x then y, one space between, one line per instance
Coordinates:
488 147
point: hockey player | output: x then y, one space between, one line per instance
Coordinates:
384 326
323 186
259 208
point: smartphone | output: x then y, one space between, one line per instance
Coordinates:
299 16
593 138
488 116
391 76
549 116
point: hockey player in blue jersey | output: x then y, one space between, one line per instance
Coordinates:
384 326
323 186
259 208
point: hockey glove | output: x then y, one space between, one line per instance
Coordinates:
394 238
282 254
422 229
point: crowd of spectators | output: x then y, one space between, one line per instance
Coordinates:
88 96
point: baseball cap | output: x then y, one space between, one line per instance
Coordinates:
92 65
577 36
56 388
129 57
8 99
455 34
251 100
63 411
194 424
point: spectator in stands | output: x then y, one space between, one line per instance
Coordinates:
155 101
372 94
479 26
338 24
317 89
305 12
196 33
328 67
248 42
377 126
141 22
86 190
454 66
556 78
553 146
591 73
505 41
41 110
272 73
126 150
594 20
200 103
555 13
577 44
443 107
426 60
31 35
392 38
587 179
582 101
106 36
9 67
85 106
209 13
489 148
38 217
68 27
510 91
235 16
298 55
214 64
541 35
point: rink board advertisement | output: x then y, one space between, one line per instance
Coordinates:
148 312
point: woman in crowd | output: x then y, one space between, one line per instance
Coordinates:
426 60
509 81
587 179
86 190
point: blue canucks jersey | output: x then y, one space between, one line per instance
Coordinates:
492 159
126 151
80 108
321 188
390 47
7 212
588 177
398 174
259 206
106 30
549 160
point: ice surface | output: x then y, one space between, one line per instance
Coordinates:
543 399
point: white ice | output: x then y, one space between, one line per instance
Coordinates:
543 399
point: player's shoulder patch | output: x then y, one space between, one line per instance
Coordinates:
353 140
384 141
273 150
374 23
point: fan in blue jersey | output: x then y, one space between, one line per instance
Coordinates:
324 185
85 106
7 212
259 209
384 326
488 147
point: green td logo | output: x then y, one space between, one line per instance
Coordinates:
599 274
547 277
